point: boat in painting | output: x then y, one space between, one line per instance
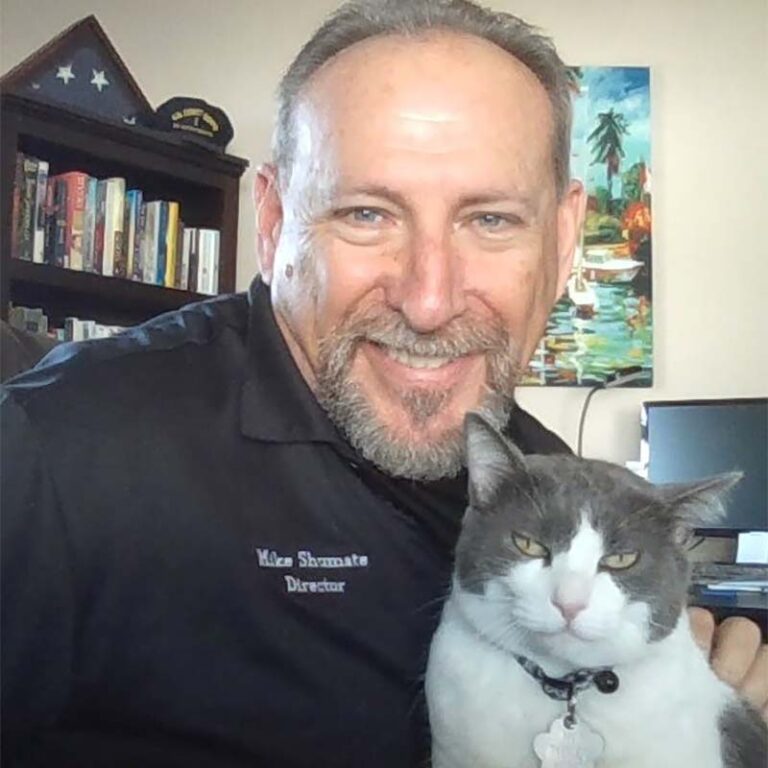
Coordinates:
612 270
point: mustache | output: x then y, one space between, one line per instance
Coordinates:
389 328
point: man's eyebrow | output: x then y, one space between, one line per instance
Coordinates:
374 190
479 198
498 196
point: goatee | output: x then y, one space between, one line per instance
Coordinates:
349 408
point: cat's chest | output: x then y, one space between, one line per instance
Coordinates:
463 676
486 711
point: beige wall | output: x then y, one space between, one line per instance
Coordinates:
710 160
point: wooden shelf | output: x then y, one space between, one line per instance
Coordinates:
206 184
66 292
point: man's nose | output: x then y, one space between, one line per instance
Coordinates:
429 290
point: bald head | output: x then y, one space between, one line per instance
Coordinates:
364 20
396 105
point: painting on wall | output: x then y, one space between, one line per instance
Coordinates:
603 322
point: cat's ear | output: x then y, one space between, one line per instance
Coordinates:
490 459
698 504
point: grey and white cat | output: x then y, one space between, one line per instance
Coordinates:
577 564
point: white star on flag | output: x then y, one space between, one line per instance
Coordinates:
66 74
99 79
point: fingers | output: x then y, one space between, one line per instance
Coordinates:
754 685
735 645
703 628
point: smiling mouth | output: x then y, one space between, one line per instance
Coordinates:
416 361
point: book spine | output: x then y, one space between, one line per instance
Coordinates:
121 263
178 274
29 319
132 206
28 199
18 186
38 240
50 221
214 257
162 230
139 247
99 226
204 264
114 264
185 243
60 239
89 227
194 250
150 242
170 244
76 183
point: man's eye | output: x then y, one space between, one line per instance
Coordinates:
495 223
491 220
363 216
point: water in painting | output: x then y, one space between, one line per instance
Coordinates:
603 323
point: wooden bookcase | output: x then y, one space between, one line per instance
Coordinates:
163 166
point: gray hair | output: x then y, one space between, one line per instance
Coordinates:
359 20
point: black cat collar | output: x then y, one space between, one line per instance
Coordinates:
564 688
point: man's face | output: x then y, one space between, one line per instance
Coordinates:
418 246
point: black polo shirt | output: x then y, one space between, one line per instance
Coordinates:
197 570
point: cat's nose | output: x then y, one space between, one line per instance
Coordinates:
569 610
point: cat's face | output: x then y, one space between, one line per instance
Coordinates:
579 561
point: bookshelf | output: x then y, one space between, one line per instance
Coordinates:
204 182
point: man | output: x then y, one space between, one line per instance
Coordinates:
228 532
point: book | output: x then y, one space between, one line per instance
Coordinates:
179 273
139 247
132 207
171 234
161 241
29 319
50 221
194 266
98 226
76 182
76 329
208 262
59 255
18 183
89 227
213 287
150 241
204 262
185 247
38 239
114 210
121 262
27 208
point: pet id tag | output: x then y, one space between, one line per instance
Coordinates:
569 743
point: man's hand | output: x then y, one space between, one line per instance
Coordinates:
735 653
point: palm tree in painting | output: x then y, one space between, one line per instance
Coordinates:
606 144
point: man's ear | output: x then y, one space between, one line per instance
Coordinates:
269 218
570 220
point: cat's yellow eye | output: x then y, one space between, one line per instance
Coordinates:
620 561
530 547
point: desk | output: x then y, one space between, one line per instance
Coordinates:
753 605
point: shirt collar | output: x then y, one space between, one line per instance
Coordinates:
277 404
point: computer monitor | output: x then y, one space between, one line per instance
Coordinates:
688 440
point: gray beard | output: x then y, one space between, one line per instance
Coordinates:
352 413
